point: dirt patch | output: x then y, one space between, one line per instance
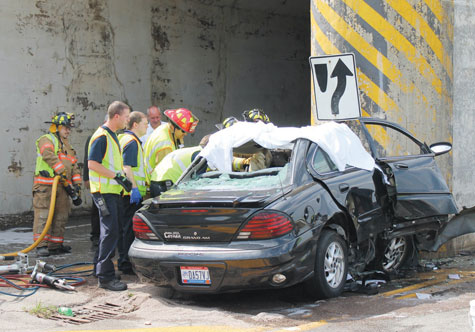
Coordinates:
16 220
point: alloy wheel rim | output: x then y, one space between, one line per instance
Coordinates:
334 265
394 253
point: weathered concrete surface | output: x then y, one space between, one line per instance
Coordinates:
464 110
219 58
72 56
404 55
214 57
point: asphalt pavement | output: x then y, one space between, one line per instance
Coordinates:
77 236
436 299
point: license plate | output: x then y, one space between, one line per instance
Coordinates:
195 275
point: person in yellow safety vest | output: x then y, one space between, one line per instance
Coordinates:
107 182
168 136
169 170
134 167
55 156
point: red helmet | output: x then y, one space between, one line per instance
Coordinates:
183 119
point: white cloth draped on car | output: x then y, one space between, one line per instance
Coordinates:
336 139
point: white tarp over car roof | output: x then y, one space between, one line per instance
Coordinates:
336 139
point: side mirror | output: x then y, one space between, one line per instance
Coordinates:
440 148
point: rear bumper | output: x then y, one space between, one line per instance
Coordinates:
231 269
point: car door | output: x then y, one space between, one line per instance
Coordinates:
417 185
354 189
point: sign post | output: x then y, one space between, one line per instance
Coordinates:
335 86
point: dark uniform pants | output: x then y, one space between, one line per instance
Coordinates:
126 233
95 222
41 202
109 225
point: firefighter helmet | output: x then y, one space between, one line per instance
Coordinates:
183 119
255 115
62 119
229 121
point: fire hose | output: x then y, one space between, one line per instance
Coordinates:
52 204
43 274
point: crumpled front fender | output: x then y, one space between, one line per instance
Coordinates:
462 223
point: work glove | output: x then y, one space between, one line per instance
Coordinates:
123 181
73 194
135 197
246 163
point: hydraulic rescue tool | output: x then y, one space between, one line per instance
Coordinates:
41 278
20 267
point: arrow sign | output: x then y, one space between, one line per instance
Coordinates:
340 72
335 87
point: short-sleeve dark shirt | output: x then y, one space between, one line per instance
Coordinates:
130 151
99 146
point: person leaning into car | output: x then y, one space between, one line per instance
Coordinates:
107 181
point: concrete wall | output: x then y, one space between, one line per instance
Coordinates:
221 57
214 57
464 111
73 56
403 52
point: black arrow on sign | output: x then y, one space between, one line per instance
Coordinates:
322 76
340 72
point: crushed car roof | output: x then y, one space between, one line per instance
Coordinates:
336 139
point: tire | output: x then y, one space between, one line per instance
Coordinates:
395 253
331 266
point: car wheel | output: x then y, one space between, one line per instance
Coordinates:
331 266
395 254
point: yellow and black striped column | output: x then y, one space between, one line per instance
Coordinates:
403 51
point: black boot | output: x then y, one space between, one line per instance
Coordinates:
113 285
60 250
42 252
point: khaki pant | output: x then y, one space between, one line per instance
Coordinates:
41 202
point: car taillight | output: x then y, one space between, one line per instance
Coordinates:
266 225
141 229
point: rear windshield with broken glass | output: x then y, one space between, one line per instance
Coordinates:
268 178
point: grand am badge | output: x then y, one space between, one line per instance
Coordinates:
195 236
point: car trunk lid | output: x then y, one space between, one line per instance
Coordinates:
195 216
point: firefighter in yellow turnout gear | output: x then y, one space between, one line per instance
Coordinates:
55 156
169 170
166 139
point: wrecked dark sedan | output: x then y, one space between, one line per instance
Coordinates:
334 200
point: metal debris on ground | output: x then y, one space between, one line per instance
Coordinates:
423 296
